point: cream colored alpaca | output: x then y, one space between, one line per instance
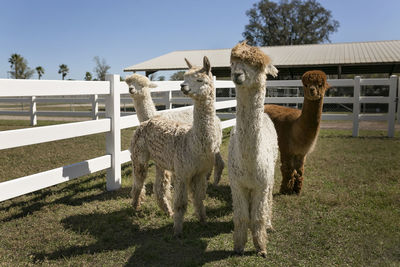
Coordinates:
139 89
185 150
253 149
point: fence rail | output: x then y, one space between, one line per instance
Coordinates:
110 92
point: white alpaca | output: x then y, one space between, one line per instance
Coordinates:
253 149
185 150
139 89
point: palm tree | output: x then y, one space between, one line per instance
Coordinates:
15 60
40 71
19 67
63 70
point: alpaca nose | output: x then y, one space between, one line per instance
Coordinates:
185 88
131 89
313 91
238 77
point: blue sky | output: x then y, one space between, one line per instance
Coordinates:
50 32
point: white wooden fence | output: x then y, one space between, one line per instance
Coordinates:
113 123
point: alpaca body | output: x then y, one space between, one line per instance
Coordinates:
253 149
185 150
298 131
139 87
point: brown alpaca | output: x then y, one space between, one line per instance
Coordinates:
298 130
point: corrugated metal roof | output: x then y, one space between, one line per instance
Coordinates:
285 56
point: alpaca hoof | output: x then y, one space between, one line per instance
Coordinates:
262 253
270 229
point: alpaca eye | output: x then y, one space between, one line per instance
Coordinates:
200 80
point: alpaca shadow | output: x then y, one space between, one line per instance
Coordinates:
69 192
156 246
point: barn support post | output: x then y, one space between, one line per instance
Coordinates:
392 105
33 111
356 105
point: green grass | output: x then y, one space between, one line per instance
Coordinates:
347 215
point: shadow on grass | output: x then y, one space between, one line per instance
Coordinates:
118 231
69 192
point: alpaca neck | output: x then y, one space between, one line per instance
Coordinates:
204 122
311 112
249 116
145 108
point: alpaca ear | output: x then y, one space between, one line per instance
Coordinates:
271 70
188 63
327 85
152 85
206 64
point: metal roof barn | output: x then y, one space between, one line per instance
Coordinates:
340 58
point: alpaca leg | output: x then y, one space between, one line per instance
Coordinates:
180 204
137 192
240 199
299 171
269 210
259 218
198 189
288 172
219 165
162 190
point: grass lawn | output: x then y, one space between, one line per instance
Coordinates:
347 215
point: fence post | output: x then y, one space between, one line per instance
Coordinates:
113 138
168 100
95 107
33 111
356 105
392 105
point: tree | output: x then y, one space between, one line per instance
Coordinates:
155 77
40 71
19 67
101 68
289 23
177 76
63 70
88 76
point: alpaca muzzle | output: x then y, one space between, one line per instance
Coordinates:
131 89
238 77
185 88
313 91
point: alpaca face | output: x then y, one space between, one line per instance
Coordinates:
198 83
139 86
315 85
244 74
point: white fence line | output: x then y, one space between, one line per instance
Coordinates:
113 123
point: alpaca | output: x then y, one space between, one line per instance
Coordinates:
298 130
184 149
139 89
253 149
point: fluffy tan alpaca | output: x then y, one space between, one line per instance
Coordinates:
139 89
298 130
253 149
185 150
